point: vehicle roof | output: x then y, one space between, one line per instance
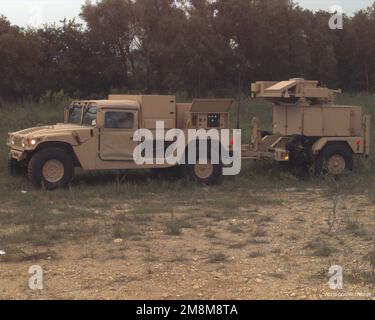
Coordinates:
126 104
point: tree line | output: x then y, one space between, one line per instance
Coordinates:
194 47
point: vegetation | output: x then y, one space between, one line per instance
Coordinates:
198 48
217 257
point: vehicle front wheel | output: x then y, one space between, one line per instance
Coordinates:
206 174
334 160
52 168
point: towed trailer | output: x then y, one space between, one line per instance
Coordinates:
308 125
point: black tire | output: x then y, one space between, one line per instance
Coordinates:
37 163
340 150
14 168
212 178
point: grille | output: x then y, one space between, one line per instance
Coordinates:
17 142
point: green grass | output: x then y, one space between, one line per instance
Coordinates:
174 227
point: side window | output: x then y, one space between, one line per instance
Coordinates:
119 120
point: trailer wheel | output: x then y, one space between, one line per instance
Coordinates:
334 160
206 174
52 168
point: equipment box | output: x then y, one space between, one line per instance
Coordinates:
316 121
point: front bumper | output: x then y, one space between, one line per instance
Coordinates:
17 154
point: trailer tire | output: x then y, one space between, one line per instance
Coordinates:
52 168
335 159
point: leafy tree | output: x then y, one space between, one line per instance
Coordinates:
198 47
19 57
111 29
358 51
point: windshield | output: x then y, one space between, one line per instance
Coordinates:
89 116
75 113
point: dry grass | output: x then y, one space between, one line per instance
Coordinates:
217 257
320 249
256 254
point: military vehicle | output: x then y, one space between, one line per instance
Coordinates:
98 135
317 133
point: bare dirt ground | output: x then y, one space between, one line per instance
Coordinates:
211 248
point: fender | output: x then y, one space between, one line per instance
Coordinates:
356 144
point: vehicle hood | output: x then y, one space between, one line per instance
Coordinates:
43 131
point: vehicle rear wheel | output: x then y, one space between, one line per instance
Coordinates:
52 168
334 160
206 174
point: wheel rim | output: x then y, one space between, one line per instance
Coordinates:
203 171
53 171
336 165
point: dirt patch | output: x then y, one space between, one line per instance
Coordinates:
243 250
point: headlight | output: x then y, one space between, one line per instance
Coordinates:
10 139
30 142
23 142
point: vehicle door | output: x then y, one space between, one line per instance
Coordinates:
116 136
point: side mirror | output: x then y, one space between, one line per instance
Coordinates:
93 122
